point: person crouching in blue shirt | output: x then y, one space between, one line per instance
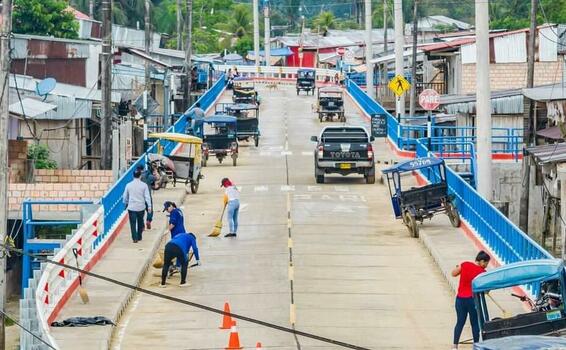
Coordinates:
179 248
176 218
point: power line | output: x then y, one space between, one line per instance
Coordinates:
13 319
187 302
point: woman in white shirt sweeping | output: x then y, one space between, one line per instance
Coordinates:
232 203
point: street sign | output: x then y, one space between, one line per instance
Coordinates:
349 57
340 51
429 99
399 85
379 125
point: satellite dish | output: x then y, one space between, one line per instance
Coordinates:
44 87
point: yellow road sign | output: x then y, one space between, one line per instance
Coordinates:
399 85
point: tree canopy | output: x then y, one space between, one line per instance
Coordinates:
44 17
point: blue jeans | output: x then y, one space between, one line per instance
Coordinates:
136 224
233 210
465 307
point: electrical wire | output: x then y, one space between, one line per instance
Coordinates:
13 319
187 302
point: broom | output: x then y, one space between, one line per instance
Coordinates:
217 230
82 290
505 312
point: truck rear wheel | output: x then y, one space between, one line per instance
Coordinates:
320 179
370 179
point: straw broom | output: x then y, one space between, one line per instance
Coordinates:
82 290
218 226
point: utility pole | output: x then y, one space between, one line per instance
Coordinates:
531 140
399 47
147 32
188 53
369 50
4 121
256 31
267 35
483 100
531 70
413 98
106 77
91 9
179 24
385 49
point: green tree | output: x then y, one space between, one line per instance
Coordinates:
44 17
325 20
40 154
243 45
240 23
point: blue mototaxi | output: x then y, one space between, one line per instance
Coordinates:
220 138
545 278
418 203
248 119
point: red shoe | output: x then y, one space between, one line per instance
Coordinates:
148 225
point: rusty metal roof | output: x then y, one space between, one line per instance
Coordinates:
544 154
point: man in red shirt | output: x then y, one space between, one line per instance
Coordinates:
464 299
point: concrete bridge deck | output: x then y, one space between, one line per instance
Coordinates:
342 267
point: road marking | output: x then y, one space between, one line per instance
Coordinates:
306 153
261 188
264 153
243 207
291 273
341 189
289 223
314 188
287 188
288 203
352 198
302 197
290 243
286 153
342 209
292 314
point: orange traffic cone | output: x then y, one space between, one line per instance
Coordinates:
227 319
234 341
258 346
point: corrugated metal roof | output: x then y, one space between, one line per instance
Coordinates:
510 48
544 154
31 107
502 102
73 102
124 36
335 38
547 44
545 93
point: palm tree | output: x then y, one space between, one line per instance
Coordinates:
325 20
240 22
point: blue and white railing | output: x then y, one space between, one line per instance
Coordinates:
52 286
497 232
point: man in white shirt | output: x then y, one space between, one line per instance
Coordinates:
137 198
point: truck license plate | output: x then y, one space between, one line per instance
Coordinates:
345 166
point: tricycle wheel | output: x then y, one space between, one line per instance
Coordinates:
234 160
370 179
194 186
320 179
411 223
256 140
220 159
320 117
297 92
453 214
